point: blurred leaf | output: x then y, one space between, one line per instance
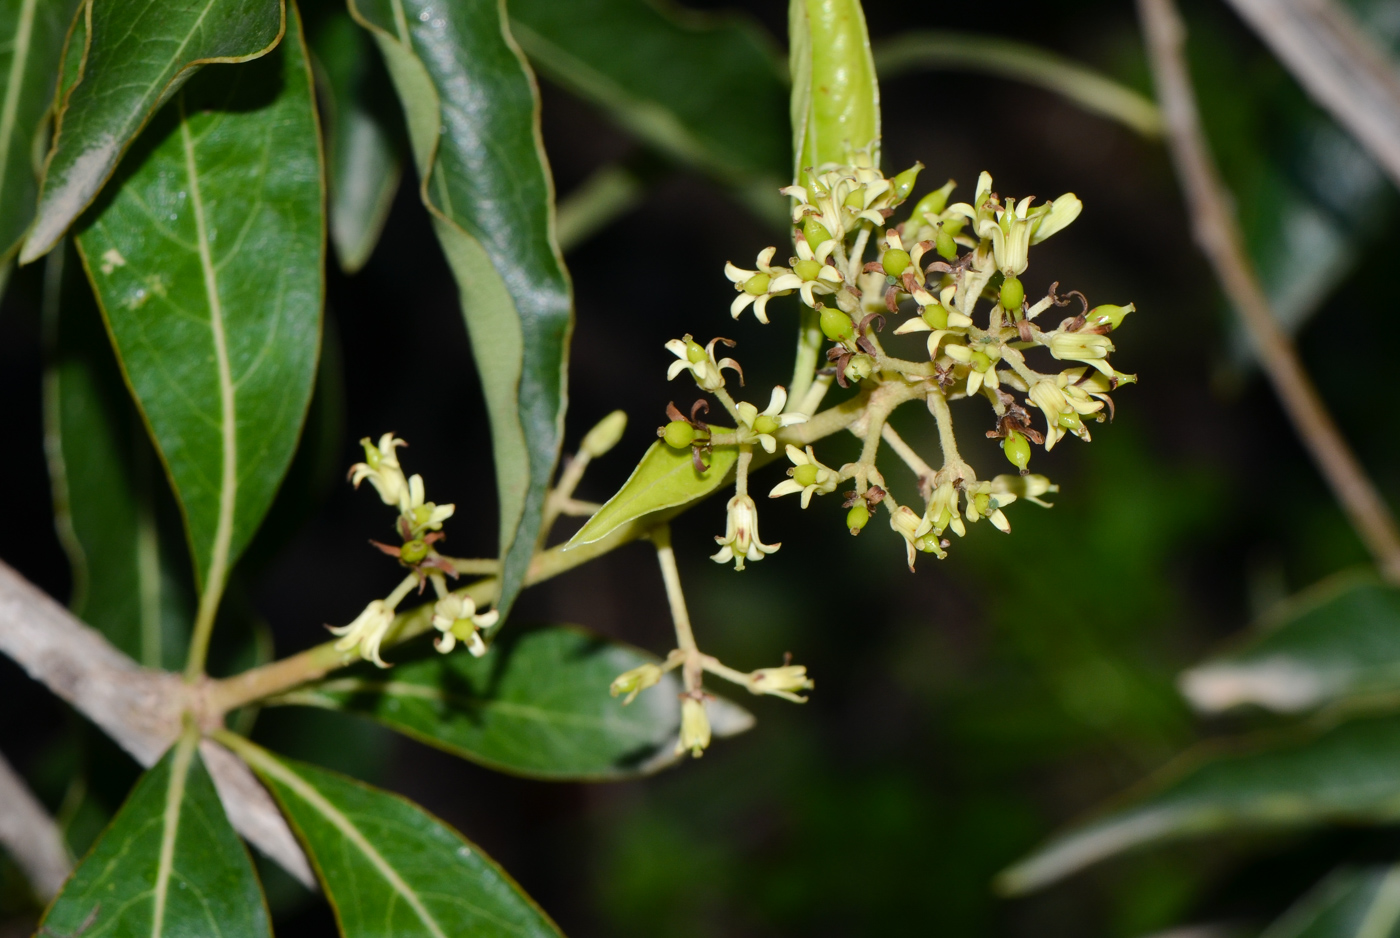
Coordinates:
169 864
537 705
135 57
362 160
1350 772
389 867
835 107
705 89
105 480
207 260
1336 642
473 119
1353 902
599 200
665 478
29 60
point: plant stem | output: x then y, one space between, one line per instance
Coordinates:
1217 233
938 406
913 460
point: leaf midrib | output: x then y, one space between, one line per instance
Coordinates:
23 41
170 828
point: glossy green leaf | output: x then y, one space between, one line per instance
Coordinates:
29 62
665 478
835 105
1340 641
389 868
106 479
473 119
1353 902
704 89
169 864
1349 772
207 261
537 705
362 158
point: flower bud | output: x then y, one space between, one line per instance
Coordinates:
635 681
860 367
413 552
934 203
945 245
836 325
904 182
805 474
1012 294
785 681
605 434
936 316
695 728
757 285
1107 315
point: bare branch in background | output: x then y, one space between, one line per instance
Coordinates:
30 836
1338 65
1218 234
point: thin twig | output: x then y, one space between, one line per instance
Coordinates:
1218 235
31 837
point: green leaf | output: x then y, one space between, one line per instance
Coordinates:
106 481
537 705
135 57
835 108
1339 641
169 864
473 119
704 89
1349 772
207 259
362 158
665 478
1353 902
388 867
29 60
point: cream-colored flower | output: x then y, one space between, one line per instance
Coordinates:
811 274
366 632
1029 487
783 682
1088 347
766 422
455 616
381 468
701 362
635 681
807 476
423 515
740 541
983 502
695 727
942 512
917 533
757 287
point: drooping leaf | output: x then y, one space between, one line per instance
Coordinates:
388 867
1352 902
1341 641
169 864
665 478
362 158
473 119
106 482
537 705
136 55
29 62
1350 772
835 104
704 89
207 261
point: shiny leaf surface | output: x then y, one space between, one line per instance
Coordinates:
537 705
169 864
1353 902
207 261
472 113
136 54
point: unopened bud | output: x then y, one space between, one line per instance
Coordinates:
635 681
895 262
604 435
695 728
815 232
857 518
904 182
1107 315
934 203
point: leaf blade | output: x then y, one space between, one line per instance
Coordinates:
835 105
1352 902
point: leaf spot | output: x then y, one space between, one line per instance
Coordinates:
111 260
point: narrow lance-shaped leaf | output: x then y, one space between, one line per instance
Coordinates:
1341 641
105 480
169 864
1353 902
29 62
473 119
135 56
388 867
835 95
207 259
1350 772
538 705
362 159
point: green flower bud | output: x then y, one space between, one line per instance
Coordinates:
904 182
980 361
678 434
934 203
1111 316
945 245
604 435
836 325
807 270
1012 294
895 262
757 285
857 518
1017 449
814 231
413 552
936 316
805 475
765 424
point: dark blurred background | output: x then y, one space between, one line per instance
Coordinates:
962 713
